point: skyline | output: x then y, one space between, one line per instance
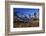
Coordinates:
22 12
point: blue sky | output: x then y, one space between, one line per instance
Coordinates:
25 11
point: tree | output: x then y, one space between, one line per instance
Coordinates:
25 17
29 15
30 19
35 14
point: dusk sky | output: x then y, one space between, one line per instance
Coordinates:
25 11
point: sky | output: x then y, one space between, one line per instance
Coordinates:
25 11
